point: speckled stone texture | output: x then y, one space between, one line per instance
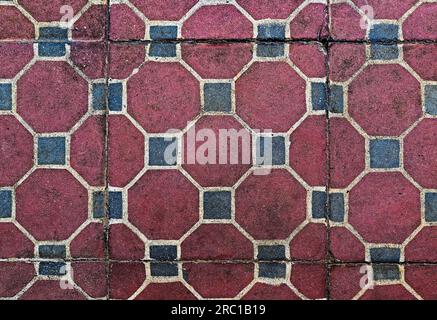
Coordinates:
94 93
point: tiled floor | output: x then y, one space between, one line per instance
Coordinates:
93 94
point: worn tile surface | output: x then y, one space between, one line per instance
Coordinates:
94 94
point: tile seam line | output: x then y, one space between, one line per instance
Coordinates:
106 162
226 41
236 261
328 255
302 40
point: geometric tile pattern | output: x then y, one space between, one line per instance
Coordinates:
100 198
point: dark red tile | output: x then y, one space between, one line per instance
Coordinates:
264 291
163 205
125 279
125 23
353 20
276 9
91 25
17 148
89 57
88 150
272 107
217 22
51 204
270 215
50 87
166 291
381 155
218 280
164 9
419 25
163 96
126 150
14 25
423 280
309 280
51 290
91 277
124 244
42 12
217 61
211 171
135 226
14 277
221 242
355 282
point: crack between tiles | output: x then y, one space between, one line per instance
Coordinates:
106 155
328 255
223 261
330 40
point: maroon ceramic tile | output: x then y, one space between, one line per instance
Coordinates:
360 19
387 202
81 20
365 282
199 20
134 166
53 158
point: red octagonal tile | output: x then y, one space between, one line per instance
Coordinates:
272 107
384 207
51 96
51 204
16 150
391 96
270 206
163 205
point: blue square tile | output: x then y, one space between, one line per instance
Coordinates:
386 272
51 150
162 151
163 269
51 49
336 100
163 32
5 96
270 150
52 251
99 96
163 252
384 32
98 204
272 270
271 253
162 50
431 207
431 99
318 202
217 97
217 205
115 97
384 153
53 33
336 207
5 203
319 96
384 51
385 254
270 50
271 31
115 205
50 268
